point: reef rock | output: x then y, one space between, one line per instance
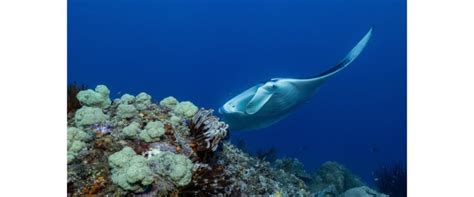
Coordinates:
333 174
363 191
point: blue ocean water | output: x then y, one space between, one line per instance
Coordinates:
209 51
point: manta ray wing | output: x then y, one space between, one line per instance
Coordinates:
348 58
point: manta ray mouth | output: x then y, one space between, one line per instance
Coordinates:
221 110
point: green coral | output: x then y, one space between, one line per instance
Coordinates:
131 131
88 116
169 102
130 171
332 173
174 166
153 131
98 98
126 111
76 139
175 120
142 101
127 99
186 109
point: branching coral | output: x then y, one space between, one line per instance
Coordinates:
207 130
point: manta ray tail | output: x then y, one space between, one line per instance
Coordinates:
347 59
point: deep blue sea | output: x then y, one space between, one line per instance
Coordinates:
209 51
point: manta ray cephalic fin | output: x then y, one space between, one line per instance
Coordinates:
262 95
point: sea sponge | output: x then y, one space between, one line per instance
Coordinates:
126 111
177 167
130 171
131 131
142 101
152 132
186 109
76 139
98 98
87 116
169 102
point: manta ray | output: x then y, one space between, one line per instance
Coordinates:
267 103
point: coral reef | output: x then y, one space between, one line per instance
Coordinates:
133 146
95 98
152 132
130 171
207 130
293 166
186 109
392 180
76 142
252 176
175 166
267 154
87 116
333 174
362 192
126 111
